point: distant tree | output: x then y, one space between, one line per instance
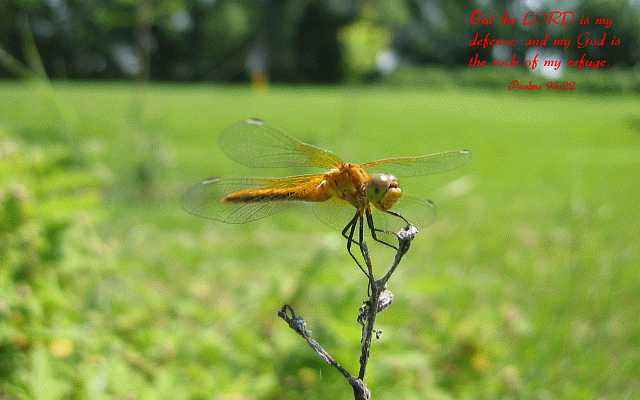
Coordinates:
626 25
365 39
299 40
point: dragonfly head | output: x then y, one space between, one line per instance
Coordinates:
383 190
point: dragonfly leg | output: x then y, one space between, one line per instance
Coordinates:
351 226
346 228
373 230
363 249
395 214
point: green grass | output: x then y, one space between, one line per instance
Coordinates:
525 287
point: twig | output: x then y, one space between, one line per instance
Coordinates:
379 295
298 324
377 287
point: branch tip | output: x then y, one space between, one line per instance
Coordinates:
407 233
298 324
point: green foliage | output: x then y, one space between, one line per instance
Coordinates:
49 204
525 287
175 39
363 41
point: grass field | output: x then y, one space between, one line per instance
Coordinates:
525 287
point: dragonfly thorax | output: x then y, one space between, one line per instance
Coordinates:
383 190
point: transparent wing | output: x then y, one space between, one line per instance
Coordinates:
205 199
335 213
421 165
420 212
256 144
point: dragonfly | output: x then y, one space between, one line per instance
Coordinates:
351 193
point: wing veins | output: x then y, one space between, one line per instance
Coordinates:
255 144
421 165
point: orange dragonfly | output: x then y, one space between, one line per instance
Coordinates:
365 189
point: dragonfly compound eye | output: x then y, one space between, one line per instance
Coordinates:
384 190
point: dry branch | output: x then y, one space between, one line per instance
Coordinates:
379 294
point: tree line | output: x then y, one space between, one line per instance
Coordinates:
293 40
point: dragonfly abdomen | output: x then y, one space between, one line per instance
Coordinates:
313 190
258 195
284 194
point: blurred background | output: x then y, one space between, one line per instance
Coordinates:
524 287
292 41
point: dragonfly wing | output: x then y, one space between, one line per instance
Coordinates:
420 212
335 213
421 165
205 199
255 144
